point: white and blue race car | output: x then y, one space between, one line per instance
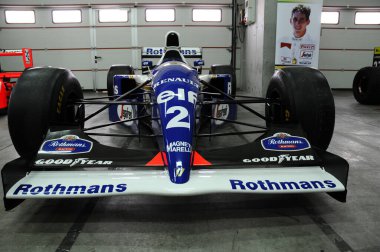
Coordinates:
174 106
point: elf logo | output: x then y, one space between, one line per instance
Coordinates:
306 55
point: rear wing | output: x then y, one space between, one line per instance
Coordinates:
157 52
26 53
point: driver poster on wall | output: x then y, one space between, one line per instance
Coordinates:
298 32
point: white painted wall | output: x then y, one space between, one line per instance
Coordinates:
74 46
258 51
346 47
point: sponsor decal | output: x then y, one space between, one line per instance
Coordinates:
279 159
199 63
307 47
59 189
188 52
285 142
176 121
154 51
125 112
11 51
284 44
178 146
177 79
305 62
306 55
287 115
229 88
158 51
146 63
221 112
267 185
168 95
27 56
60 99
179 169
69 144
287 60
72 162
377 50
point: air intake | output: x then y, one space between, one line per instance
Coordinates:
172 39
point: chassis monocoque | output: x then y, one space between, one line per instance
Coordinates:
175 106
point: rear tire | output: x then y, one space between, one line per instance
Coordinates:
305 98
366 85
115 70
42 99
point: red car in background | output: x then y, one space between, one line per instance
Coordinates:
7 78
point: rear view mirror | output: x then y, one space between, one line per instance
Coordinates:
147 63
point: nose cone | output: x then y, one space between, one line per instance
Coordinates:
176 89
179 161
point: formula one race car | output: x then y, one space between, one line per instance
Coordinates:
7 78
174 108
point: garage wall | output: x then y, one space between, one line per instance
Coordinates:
258 51
74 46
346 47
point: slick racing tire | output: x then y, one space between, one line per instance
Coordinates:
42 99
305 98
366 86
115 70
225 69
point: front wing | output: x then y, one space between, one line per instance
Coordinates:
67 184
105 172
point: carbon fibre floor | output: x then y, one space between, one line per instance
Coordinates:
311 222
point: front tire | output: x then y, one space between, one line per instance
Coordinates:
305 98
42 98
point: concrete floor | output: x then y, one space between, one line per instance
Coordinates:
308 222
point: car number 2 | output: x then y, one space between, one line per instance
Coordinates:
176 122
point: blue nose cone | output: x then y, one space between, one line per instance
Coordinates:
176 89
